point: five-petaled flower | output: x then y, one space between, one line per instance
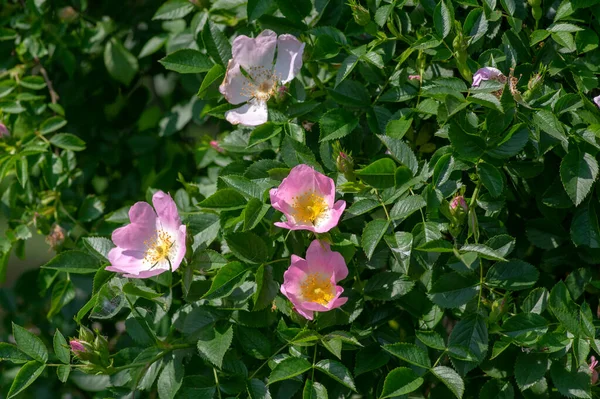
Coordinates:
253 74
487 73
153 243
311 283
306 197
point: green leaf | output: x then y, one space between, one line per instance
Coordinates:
347 66
491 178
173 9
171 378
442 19
337 371
68 141
407 206
398 128
289 368
257 389
584 227
187 61
63 372
379 174
25 377
530 368
295 11
400 381
451 379
410 353
512 143
443 169
75 261
431 339
513 275
468 146
227 198
525 328
30 344
337 123
214 75
571 382
227 279
295 153
578 172
469 339
547 122
61 349
12 353
314 390
248 247
536 301
52 124
483 251
387 286
369 359
99 246
216 43
401 152
453 290
214 342
262 133
564 309
257 8
253 342
33 82
120 63
141 291
266 287
153 44
62 293
372 234
254 212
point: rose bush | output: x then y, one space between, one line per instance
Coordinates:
301 199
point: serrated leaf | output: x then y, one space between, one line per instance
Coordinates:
248 247
120 63
173 9
314 390
442 19
387 286
227 279
513 275
337 123
73 262
574 383
400 381
67 141
453 290
372 234
30 344
410 353
491 178
214 342
289 368
25 377
578 172
530 368
61 349
337 371
401 152
451 379
187 61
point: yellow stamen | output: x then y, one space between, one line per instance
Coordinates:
159 248
309 207
317 288
262 85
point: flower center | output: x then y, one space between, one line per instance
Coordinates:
261 85
308 207
317 288
159 248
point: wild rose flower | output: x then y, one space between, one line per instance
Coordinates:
487 73
153 243
597 101
261 76
77 346
4 132
311 284
306 198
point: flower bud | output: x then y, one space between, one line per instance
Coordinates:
76 346
414 77
360 14
56 237
4 132
215 145
535 82
457 204
593 364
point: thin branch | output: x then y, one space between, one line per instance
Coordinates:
53 95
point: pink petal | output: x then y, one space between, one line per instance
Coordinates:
485 73
146 273
289 58
303 179
181 247
289 225
321 259
168 216
255 53
234 84
142 213
317 307
597 101
126 261
333 218
250 114
307 314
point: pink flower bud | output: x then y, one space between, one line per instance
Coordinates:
215 144
56 237
593 364
4 132
414 77
457 201
76 346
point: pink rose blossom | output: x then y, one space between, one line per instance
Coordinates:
77 346
486 73
4 132
597 101
311 284
262 74
153 243
306 198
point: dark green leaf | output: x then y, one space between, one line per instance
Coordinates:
227 279
187 61
400 381
451 379
372 234
289 368
73 262
25 377
30 344
578 172
410 353
337 371
68 141
214 342
248 247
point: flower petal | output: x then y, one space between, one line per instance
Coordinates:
126 261
133 236
332 219
250 114
235 84
597 101
166 209
289 58
321 259
181 248
142 213
485 73
255 55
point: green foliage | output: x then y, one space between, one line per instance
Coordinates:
470 231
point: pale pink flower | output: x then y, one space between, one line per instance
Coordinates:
414 77
306 198
215 145
4 132
597 101
77 346
153 243
262 75
487 73
593 364
311 284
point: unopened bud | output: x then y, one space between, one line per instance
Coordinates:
344 162
360 14
458 203
281 94
535 82
215 145
593 364
4 132
76 346
414 77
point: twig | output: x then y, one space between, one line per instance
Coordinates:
53 95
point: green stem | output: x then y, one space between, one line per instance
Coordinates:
217 382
